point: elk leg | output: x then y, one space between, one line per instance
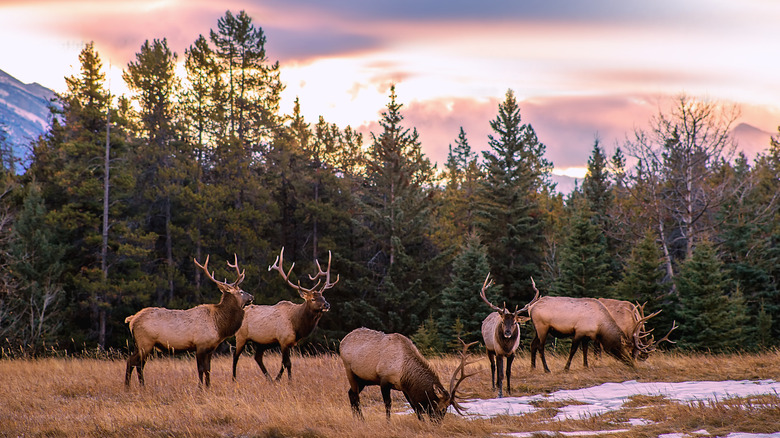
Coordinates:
132 362
286 363
259 350
204 366
534 347
385 388
492 358
509 360
500 375
354 394
574 344
542 340
585 342
236 355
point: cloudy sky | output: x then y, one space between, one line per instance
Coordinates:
581 69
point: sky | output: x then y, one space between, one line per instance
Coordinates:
581 71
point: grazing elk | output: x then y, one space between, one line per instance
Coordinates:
393 362
583 320
501 334
201 328
628 315
284 323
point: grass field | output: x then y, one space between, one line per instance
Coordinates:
86 397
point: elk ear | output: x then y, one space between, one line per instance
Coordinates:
522 319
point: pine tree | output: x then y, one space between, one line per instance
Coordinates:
708 317
460 302
584 263
37 267
510 222
396 213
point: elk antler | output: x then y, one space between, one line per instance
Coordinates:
210 275
302 291
328 284
533 301
456 380
486 285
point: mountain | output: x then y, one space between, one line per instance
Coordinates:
751 140
24 112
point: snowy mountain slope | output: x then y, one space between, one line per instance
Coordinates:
24 111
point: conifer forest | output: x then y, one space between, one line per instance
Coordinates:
123 193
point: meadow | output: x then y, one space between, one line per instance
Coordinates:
86 397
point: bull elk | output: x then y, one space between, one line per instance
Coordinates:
393 362
628 315
284 323
201 328
501 334
583 320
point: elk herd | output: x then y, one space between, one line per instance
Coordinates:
390 361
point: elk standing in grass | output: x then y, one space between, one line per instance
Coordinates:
201 328
628 315
285 323
583 320
501 334
393 362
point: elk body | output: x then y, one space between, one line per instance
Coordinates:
285 323
501 334
393 362
200 329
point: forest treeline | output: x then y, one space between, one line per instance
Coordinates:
123 192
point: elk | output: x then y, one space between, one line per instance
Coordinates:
284 323
393 362
584 320
627 315
201 328
501 334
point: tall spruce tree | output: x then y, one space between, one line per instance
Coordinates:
37 267
160 163
461 310
710 318
395 217
584 263
510 221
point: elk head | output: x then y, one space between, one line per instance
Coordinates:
508 319
225 287
313 295
642 345
450 398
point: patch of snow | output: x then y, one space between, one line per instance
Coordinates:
611 396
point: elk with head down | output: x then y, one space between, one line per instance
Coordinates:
393 362
284 323
627 315
201 328
501 334
583 320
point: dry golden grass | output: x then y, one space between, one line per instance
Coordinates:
86 397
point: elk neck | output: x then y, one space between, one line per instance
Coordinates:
228 315
305 319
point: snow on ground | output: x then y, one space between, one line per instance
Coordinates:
611 396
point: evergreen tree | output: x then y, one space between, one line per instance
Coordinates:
584 262
69 165
461 310
396 213
642 282
162 170
711 320
37 268
510 220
